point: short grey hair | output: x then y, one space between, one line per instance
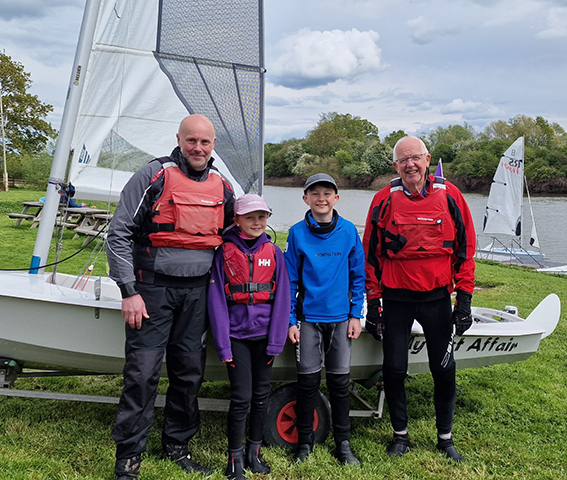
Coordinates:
404 139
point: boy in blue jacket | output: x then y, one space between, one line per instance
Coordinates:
325 262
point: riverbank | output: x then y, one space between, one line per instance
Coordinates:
550 186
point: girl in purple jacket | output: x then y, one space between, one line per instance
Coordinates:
249 304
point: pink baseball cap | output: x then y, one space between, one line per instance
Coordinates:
250 202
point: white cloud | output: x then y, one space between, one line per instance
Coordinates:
424 31
10 9
471 109
310 58
556 24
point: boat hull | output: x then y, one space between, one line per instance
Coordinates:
55 327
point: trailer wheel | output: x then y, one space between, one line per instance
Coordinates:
280 428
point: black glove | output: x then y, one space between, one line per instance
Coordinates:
375 325
462 318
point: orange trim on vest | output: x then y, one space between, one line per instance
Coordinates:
250 276
188 214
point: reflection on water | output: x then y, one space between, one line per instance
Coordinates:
550 215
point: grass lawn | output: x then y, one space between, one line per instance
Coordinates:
510 422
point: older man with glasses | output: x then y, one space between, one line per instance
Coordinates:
419 244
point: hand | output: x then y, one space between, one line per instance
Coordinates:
462 318
293 334
375 325
354 328
133 310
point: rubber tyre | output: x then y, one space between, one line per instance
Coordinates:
280 426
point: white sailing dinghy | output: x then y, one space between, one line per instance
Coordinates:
503 215
141 67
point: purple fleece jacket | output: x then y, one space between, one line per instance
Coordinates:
247 321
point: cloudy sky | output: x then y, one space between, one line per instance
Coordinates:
402 64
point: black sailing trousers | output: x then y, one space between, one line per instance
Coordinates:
249 374
435 318
177 328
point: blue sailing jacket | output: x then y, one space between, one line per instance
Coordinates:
326 271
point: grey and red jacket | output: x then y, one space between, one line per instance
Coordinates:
131 254
248 320
419 245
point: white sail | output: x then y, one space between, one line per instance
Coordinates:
151 64
504 208
534 241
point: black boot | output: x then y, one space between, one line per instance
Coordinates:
447 447
180 455
235 467
303 451
400 445
345 455
254 458
127 468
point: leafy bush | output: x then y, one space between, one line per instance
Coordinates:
36 169
474 163
356 169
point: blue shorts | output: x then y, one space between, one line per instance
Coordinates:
324 344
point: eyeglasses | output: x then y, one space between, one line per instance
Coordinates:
414 158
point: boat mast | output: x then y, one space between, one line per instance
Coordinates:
62 151
262 85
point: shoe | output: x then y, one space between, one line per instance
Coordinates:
400 445
254 458
447 447
303 451
180 455
127 468
344 454
235 467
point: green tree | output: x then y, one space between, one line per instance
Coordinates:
344 157
498 130
336 131
280 159
25 128
444 152
392 139
536 132
450 135
474 163
378 157
560 136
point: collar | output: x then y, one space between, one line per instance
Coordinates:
423 191
314 227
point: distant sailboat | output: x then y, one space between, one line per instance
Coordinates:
503 213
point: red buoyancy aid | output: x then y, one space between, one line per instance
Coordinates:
418 229
188 214
250 276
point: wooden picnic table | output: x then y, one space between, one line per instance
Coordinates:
89 223
83 216
31 212
70 217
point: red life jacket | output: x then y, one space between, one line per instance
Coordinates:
418 229
250 276
188 214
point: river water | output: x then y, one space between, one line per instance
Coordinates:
550 216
